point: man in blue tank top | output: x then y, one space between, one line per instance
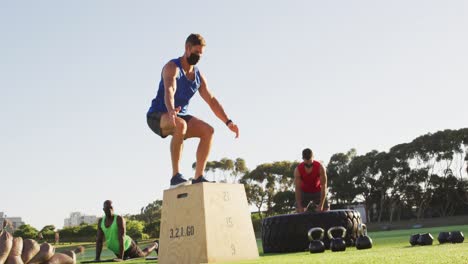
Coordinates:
168 114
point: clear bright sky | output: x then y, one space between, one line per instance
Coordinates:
77 78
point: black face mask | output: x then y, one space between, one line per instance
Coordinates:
193 59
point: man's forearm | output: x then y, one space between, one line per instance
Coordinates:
218 109
121 247
323 196
298 198
169 100
98 249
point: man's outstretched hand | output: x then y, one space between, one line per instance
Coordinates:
233 127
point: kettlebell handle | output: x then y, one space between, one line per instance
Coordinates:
329 232
363 229
313 230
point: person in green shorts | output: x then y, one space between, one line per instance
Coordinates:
112 228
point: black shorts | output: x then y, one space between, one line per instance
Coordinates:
314 198
154 121
133 251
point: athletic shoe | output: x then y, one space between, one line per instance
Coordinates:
200 179
178 180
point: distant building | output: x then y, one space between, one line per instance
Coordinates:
77 218
15 221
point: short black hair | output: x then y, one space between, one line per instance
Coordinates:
108 203
195 39
307 154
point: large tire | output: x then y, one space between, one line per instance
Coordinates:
288 233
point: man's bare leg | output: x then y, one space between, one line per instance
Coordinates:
177 143
178 133
150 248
200 129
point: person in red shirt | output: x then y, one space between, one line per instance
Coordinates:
310 179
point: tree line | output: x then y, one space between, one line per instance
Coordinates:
424 178
81 233
427 177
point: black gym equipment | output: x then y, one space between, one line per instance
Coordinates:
414 239
316 245
363 241
337 243
425 239
443 237
288 233
456 237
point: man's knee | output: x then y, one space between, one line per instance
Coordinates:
209 131
206 132
180 127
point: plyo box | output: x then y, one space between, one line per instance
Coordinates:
206 223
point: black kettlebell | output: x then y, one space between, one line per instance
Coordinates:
414 239
337 243
425 239
363 241
443 237
316 245
456 237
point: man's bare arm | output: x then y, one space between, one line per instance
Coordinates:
298 182
215 105
99 240
170 72
323 186
121 227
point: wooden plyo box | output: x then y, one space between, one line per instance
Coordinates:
206 223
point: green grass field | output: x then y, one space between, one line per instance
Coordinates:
389 247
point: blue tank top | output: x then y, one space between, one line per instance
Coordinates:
184 91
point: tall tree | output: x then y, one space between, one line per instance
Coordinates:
363 171
226 170
149 213
240 169
340 179
273 178
255 193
